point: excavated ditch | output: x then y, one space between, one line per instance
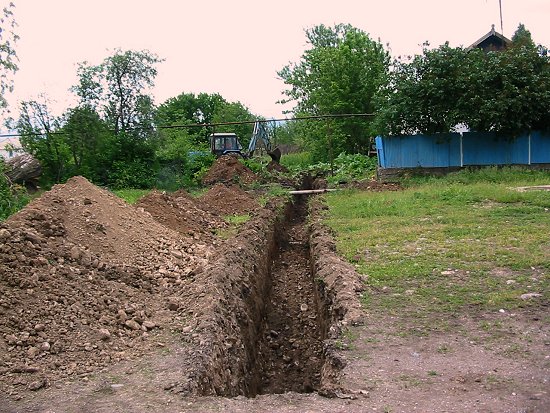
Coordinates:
282 296
290 351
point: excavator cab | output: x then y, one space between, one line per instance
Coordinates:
228 143
224 144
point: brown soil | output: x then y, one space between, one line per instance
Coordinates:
273 166
228 169
227 200
105 309
180 212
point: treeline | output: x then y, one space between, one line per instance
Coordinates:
115 135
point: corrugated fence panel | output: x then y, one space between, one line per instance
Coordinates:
427 151
445 150
491 149
540 147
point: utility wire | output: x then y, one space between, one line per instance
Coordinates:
214 124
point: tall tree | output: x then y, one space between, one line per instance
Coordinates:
500 91
340 73
120 87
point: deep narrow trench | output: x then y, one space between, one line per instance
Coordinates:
289 348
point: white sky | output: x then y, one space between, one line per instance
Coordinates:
234 47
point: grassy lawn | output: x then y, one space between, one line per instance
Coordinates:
464 242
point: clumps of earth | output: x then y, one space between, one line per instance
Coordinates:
228 169
87 280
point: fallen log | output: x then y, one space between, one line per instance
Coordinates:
23 169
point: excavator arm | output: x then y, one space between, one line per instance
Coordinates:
260 138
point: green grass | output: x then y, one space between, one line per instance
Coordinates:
235 222
299 160
450 243
131 196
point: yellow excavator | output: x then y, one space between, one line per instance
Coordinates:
228 143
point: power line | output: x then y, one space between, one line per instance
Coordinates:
214 124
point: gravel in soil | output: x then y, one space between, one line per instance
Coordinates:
291 347
184 214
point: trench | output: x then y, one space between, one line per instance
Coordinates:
273 324
290 340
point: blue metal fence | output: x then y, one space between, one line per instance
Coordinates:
462 149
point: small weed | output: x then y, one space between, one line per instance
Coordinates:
235 222
444 349
433 373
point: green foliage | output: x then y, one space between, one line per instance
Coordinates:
119 87
12 197
188 108
345 168
299 160
40 138
131 196
86 136
502 91
340 73
181 162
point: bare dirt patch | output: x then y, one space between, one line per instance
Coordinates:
196 326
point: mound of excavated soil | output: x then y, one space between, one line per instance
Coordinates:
224 200
273 166
85 279
228 169
98 222
179 212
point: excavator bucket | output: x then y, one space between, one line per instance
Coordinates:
275 155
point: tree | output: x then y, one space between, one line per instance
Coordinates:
85 134
120 87
8 57
39 137
188 108
425 94
506 91
340 73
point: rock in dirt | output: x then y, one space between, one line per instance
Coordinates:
529 296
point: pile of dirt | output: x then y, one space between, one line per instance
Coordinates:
180 212
276 167
98 222
86 280
231 200
228 169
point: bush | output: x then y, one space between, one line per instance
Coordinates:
12 197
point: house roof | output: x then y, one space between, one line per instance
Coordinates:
491 38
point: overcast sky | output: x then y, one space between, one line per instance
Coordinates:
234 47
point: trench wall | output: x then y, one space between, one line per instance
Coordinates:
229 330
